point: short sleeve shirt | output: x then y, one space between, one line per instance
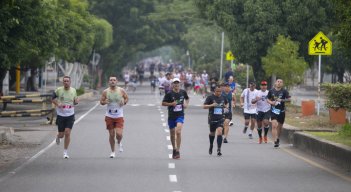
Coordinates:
178 110
216 113
273 95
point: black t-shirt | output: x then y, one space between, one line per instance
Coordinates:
216 113
274 94
178 110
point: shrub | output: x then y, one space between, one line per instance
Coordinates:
338 95
80 91
345 130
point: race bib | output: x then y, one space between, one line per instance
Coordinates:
112 110
218 111
178 108
276 111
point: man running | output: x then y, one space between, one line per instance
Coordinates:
229 95
115 98
264 112
216 105
176 100
250 111
277 98
64 99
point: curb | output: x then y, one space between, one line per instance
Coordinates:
333 152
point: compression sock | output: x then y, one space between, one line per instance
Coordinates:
259 130
219 141
211 139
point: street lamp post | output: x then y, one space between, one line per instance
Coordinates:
188 54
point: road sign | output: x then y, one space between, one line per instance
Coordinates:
229 56
320 45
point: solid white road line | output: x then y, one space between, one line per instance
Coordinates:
46 148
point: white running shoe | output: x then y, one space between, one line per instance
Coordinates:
112 155
58 140
120 148
231 123
65 156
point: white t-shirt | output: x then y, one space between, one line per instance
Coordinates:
262 104
126 77
248 96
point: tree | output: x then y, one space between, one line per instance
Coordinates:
253 25
283 61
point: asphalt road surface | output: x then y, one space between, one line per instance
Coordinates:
146 166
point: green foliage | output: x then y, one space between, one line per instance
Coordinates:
283 61
80 91
338 95
345 130
253 25
240 73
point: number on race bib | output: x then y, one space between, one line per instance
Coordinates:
218 111
178 108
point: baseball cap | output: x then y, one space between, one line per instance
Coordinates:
175 80
263 82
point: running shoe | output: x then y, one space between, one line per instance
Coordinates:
58 140
276 143
260 140
112 155
219 152
120 148
231 123
250 136
225 140
177 155
65 156
210 150
174 154
245 129
265 139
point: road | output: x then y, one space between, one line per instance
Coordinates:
145 164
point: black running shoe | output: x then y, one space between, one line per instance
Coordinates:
219 152
250 136
276 143
210 150
174 154
225 140
245 129
177 155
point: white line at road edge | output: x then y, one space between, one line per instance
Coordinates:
45 149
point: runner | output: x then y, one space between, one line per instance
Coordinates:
216 105
264 112
115 98
126 80
232 85
176 100
250 110
277 98
226 92
166 83
64 99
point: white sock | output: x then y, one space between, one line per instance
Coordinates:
65 151
250 131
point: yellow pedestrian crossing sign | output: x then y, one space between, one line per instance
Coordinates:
229 56
320 45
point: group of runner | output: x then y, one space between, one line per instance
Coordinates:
259 106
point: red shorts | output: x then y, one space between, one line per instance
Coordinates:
112 123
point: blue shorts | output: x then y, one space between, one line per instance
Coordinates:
172 123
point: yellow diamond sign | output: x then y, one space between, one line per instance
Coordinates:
320 45
229 56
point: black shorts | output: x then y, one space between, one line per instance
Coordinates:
215 124
228 115
263 115
280 118
64 122
249 115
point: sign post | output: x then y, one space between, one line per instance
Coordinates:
319 45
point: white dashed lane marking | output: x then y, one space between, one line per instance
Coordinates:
169 147
173 178
171 165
